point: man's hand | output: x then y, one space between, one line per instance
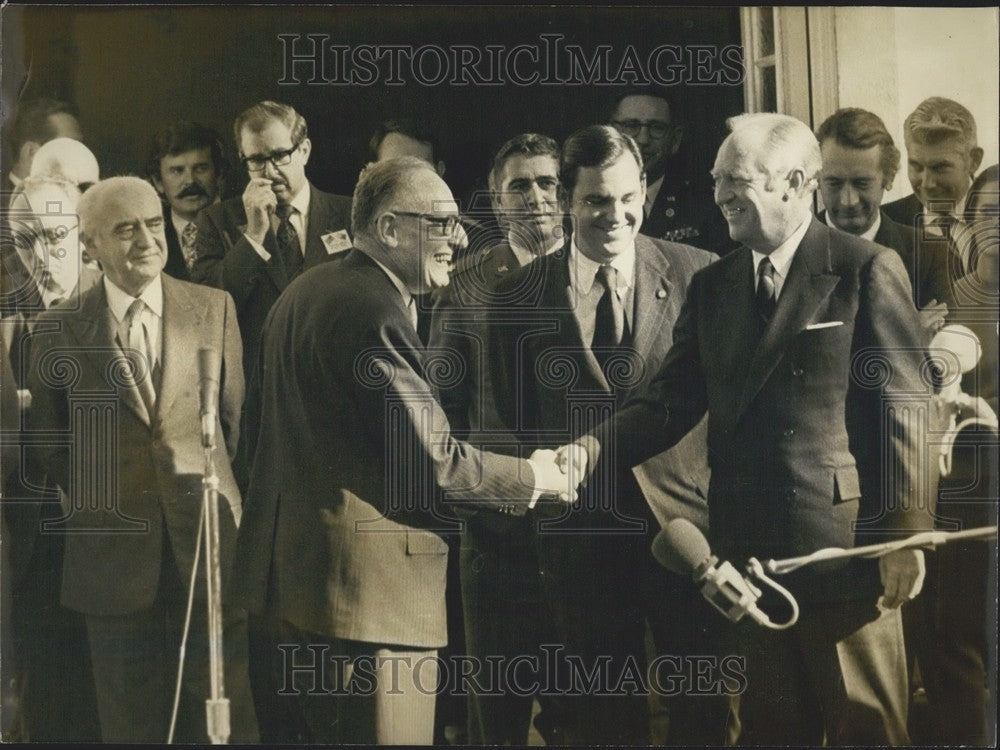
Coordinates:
550 478
932 317
902 573
259 203
572 459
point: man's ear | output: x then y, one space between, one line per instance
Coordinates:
85 254
27 153
976 158
387 230
797 181
306 147
439 168
157 183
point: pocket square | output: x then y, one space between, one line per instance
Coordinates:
829 324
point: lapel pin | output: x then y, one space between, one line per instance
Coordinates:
661 293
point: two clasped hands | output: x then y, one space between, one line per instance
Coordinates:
559 472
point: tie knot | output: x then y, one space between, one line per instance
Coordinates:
134 310
608 276
190 232
766 270
284 210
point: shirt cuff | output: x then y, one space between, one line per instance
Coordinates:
259 248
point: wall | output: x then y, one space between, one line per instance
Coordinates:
891 59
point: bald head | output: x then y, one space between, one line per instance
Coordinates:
121 225
65 159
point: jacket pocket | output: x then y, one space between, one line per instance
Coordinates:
848 487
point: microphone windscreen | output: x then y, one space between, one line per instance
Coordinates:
957 349
209 364
681 547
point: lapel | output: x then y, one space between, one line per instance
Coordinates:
319 223
653 295
274 270
810 282
180 331
558 297
93 327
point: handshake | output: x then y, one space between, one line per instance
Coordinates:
559 472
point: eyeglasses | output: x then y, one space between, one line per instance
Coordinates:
55 235
126 232
257 163
445 225
632 128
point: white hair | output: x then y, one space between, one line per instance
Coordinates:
779 144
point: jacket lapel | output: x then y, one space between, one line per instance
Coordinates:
180 328
93 326
810 282
319 223
653 299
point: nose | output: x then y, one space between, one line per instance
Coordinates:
721 193
143 236
642 137
270 171
848 197
535 196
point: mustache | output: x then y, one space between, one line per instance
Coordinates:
193 190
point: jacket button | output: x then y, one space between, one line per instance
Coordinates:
797 372
789 432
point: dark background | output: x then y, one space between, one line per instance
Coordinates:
130 69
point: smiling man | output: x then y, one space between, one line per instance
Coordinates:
942 158
602 306
354 464
187 168
859 164
132 587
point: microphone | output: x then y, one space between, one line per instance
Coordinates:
209 367
682 548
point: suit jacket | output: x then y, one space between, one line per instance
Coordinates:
926 261
227 260
905 211
544 334
133 479
352 456
798 462
175 265
684 211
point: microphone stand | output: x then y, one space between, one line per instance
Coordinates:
217 705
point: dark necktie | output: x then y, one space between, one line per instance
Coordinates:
609 323
766 297
288 242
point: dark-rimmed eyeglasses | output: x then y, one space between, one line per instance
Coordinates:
257 163
632 128
445 225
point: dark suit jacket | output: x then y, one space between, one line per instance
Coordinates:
905 211
175 265
133 472
793 442
353 453
227 260
684 211
926 261
535 401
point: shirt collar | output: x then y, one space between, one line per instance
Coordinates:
781 257
583 270
179 224
524 255
652 190
301 201
868 234
119 300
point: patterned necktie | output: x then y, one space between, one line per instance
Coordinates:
766 297
133 335
288 242
609 323
188 238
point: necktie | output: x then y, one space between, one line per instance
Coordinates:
609 323
133 335
766 297
411 310
288 242
188 238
